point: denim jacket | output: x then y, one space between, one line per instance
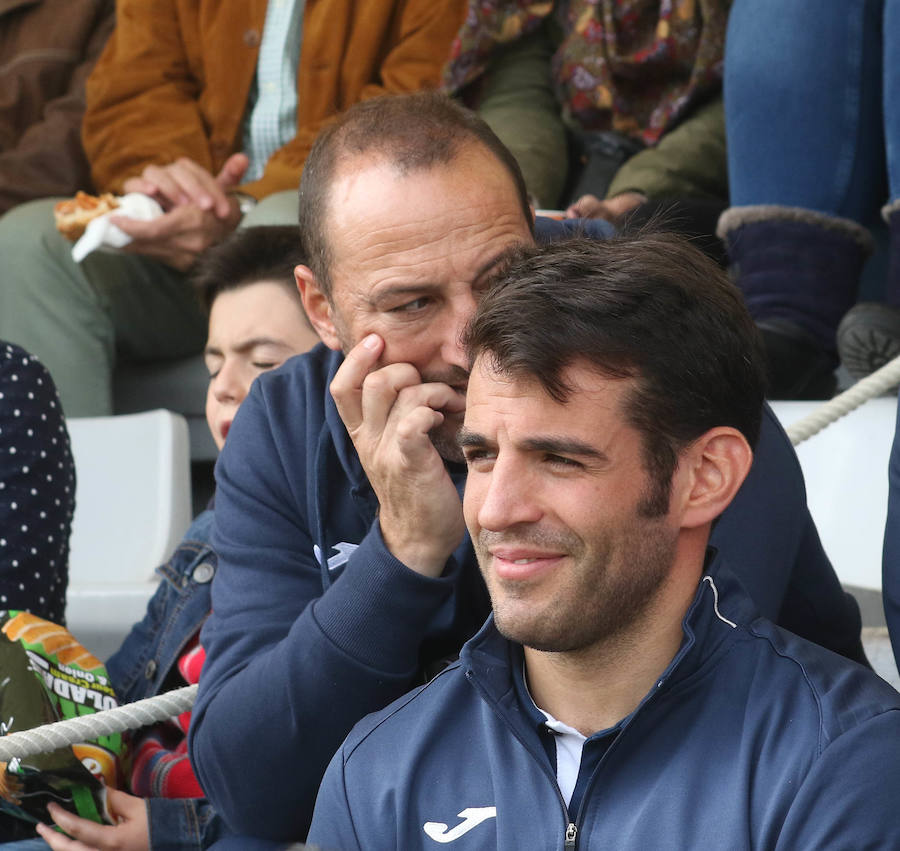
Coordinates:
148 656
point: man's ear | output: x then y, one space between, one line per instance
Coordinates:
317 306
714 467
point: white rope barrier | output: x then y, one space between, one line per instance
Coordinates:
878 383
142 713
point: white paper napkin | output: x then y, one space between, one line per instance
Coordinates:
102 234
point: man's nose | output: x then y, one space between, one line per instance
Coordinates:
461 311
507 496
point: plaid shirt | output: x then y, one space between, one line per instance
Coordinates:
271 120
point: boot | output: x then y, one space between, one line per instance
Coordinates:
799 272
869 335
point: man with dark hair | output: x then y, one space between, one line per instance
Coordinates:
625 694
655 289
345 574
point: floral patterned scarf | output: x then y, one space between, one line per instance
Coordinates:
634 66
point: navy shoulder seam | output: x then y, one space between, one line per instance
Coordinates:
386 714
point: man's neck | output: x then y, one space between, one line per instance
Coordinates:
595 688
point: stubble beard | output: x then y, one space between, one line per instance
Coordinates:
599 600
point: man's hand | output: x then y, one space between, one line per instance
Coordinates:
199 210
186 183
389 413
131 833
613 209
178 237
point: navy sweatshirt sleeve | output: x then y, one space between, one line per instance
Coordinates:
289 668
849 798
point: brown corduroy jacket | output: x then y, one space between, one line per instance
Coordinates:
175 77
47 49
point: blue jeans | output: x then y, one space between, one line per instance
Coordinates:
812 104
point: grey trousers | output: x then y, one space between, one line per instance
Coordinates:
79 318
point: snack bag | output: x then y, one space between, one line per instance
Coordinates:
46 676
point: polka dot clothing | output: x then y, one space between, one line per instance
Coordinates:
37 488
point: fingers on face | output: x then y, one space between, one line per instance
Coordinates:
413 429
368 399
412 410
358 362
382 389
347 384
438 397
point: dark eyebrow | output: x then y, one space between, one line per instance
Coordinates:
465 437
420 288
551 445
417 289
564 446
489 266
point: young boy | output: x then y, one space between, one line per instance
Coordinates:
256 322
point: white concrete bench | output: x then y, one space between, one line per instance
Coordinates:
845 467
133 504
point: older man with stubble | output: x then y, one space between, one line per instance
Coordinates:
345 574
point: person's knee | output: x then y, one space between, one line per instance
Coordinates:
280 208
31 247
38 277
29 227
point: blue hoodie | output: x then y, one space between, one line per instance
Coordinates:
751 739
301 646
315 624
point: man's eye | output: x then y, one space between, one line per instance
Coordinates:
266 364
411 306
213 373
474 456
561 461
